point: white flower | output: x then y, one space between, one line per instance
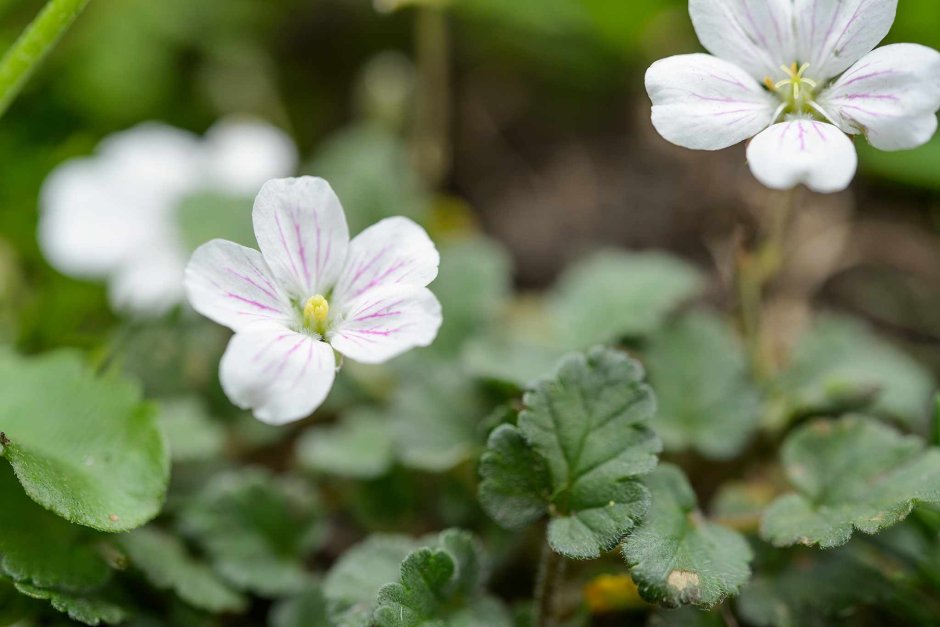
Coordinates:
797 75
114 215
311 291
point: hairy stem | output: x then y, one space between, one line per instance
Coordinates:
22 59
432 106
551 569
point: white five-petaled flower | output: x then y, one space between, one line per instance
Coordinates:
311 291
797 75
114 215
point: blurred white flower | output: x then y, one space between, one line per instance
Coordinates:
797 75
113 215
311 291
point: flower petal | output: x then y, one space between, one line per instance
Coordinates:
232 285
393 251
834 34
386 322
243 154
302 232
150 284
891 95
279 374
155 159
756 35
816 154
706 103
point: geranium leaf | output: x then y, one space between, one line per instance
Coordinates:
352 585
85 447
306 609
589 424
441 586
167 565
676 556
612 295
707 401
191 433
516 487
89 610
257 530
854 473
358 447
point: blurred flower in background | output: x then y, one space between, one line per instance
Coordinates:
133 212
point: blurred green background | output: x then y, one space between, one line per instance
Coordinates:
549 131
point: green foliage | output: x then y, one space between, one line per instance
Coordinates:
707 400
588 425
84 446
612 295
206 216
441 586
167 565
359 447
307 608
191 434
676 556
84 609
854 473
841 364
256 530
352 585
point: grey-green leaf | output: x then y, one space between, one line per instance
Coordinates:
676 556
358 447
589 423
707 401
83 446
89 610
191 433
307 609
841 363
613 294
516 487
853 473
167 565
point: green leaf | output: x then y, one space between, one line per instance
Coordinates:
436 418
516 486
167 565
210 215
589 423
13 605
192 435
352 585
841 363
707 401
39 548
84 609
503 356
441 587
686 617
257 529
612 295
854 473
85 447
676 556
473 286
358 447
307 609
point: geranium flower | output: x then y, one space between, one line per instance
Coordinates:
114 215
797 75
311 291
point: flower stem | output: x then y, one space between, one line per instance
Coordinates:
755 270
33 45
551 569
432 106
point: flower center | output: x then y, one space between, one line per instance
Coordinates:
316 314
796 90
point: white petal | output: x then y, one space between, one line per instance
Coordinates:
386 322
302 232
816 154
279 374
155 159
244 154
393 251
149 284
706 103
756 35
92 221
834 34
891 95
232 285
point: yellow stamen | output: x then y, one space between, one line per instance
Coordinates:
316 313
769 83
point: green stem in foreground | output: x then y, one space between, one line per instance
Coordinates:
551 569
22 59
